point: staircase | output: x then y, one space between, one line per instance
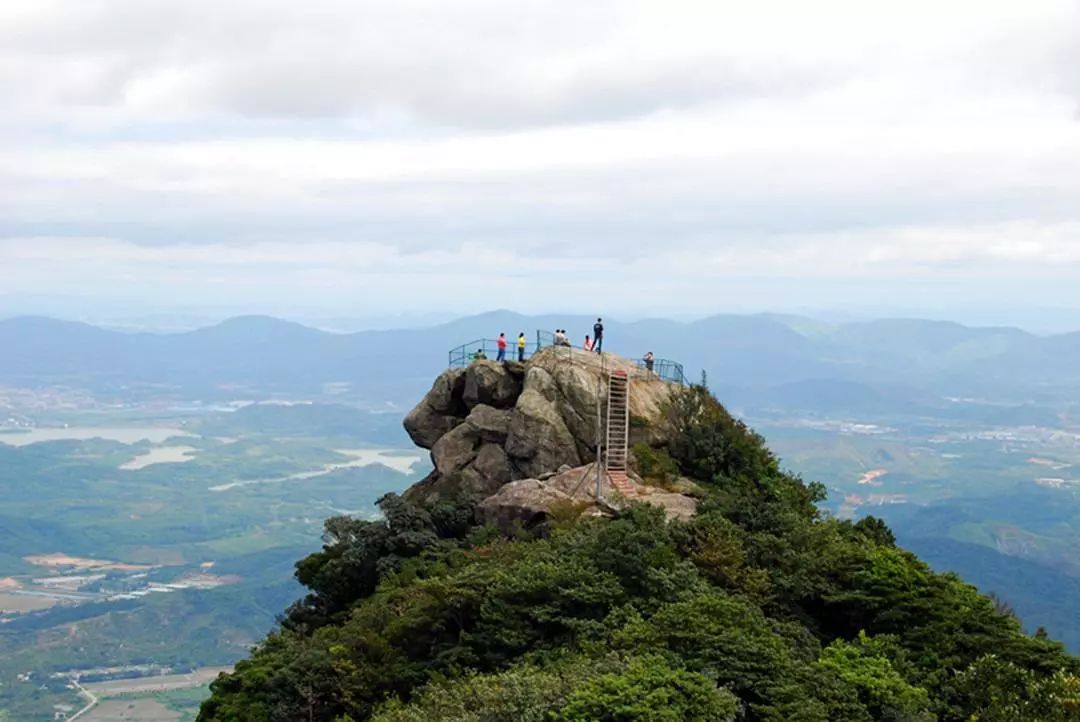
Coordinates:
618 432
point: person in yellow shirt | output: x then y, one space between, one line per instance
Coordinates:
521 346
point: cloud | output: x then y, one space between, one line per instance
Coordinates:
193 147
469 64
485 64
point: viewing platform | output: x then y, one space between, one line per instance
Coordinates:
488 348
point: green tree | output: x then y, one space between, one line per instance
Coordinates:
884 693
650 690
998 691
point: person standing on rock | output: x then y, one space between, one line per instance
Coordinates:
649 361
598 335
521 346
501 356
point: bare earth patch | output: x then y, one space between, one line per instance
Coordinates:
162 683
131 710
20 603
871 476
59 559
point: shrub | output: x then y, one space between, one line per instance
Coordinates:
655 465
650 690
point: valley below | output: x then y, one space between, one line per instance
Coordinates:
999 505
144 549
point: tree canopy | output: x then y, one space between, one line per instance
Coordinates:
760 608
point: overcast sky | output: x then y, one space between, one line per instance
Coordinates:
454 156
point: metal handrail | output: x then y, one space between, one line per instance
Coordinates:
464 354
662 369
544 339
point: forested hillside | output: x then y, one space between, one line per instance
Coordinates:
760 608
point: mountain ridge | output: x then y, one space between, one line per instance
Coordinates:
837 343
744 351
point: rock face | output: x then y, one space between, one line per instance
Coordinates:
490 424
538 438
492 384
440 410
528 502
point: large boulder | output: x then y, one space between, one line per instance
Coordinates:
441 409
455 450
490 383
526 502
445 395
426 426
578 392
539 439
464 464
580 375
493 466
488 423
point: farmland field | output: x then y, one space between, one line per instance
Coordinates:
131 555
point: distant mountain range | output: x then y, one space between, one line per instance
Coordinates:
751 360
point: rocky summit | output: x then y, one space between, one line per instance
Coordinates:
523 436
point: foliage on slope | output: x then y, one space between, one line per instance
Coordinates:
759 608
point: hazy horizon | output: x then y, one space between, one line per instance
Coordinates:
1037 321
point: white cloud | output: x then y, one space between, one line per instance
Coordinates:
258 145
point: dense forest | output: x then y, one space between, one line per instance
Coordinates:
761 607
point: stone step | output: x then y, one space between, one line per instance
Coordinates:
621 483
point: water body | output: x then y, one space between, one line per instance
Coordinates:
397 459
400 460
123 434
161 455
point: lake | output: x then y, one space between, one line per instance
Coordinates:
123 434
400 460
161 455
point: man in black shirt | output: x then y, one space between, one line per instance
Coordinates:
598 334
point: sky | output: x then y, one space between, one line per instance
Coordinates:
633 158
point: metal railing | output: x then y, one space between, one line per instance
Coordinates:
546 339
662 369
487 348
